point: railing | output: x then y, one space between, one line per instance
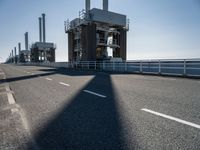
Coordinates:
189 67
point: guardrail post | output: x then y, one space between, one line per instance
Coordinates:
113 65
88 65
103 65
140 66
71 65
125 66
184 67
95 65
159 67
82 65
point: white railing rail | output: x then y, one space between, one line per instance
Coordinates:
180 67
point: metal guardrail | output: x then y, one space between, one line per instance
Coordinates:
187 68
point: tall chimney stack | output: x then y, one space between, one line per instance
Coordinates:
43 23
12 56
87 5
105 5
40 29
15 54
19 47
19 51
26 41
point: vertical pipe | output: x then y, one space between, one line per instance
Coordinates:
44 34
26 41
105 5
87 5
40 29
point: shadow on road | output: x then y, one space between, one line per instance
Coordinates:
51 71
88 122
13 79
47 72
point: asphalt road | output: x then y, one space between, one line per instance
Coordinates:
67 109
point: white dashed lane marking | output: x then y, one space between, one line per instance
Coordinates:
49 79
172 118
65 84
94 93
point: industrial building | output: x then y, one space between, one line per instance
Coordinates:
24 55
95 32
42 51
13 57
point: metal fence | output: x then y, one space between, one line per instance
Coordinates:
187 68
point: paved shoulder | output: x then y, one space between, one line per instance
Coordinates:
13 131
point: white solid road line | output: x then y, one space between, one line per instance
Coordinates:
11 99
172 118
64 84
100 95
49 79
13 110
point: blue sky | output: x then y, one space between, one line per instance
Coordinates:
158 28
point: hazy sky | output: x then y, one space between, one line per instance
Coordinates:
158 28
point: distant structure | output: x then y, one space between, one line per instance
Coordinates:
42 51
96 30
24 55
15 56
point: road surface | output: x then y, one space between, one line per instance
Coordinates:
65 109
